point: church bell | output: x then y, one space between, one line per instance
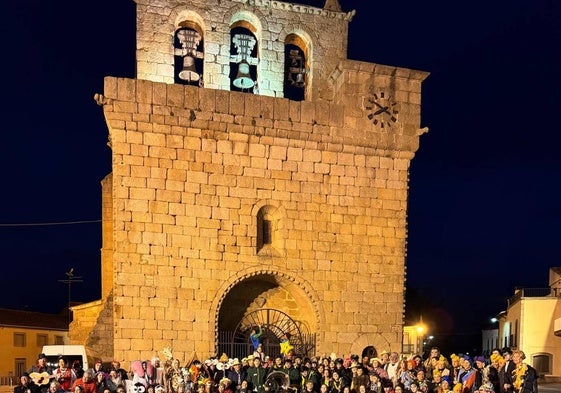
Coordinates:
243 78
189 72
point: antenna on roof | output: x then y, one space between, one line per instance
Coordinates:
69 281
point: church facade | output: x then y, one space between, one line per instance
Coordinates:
259 179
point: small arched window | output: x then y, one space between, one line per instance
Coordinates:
269 234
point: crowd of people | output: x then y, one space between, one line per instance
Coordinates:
503 372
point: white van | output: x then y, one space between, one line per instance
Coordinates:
72 353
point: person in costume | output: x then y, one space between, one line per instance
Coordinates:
26 385
505 372
173 377
456 369
493 371
286 349
524 376
64 375
254 336
470 378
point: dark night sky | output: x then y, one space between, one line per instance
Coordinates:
485 189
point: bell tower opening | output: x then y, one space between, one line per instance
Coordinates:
296 68
243 58
188 51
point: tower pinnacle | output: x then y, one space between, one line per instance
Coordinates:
332 5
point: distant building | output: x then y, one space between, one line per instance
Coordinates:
489 339
532 323
22 336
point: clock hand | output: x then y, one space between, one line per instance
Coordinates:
381 110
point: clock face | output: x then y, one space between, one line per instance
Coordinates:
382 109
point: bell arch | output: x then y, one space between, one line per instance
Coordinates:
297 65
245 51
188 43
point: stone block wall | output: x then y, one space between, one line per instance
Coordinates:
192 169
92 327
323 31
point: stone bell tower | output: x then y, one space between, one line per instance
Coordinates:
259 177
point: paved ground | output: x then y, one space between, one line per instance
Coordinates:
549 388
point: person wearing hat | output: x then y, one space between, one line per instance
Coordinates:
479 363
256 376
26 385
224 386
378 368
41 373
236 374
505 372
444 385
456 366
495 361
471 378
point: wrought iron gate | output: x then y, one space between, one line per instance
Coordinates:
276 325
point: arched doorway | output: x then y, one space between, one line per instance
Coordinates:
281 308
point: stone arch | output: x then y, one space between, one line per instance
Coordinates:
378 341
305 38
299 287
302 39
184 19
253 20
268 202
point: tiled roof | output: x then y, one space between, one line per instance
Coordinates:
33 320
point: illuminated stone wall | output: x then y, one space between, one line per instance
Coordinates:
323 33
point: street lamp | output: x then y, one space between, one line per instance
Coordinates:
420 339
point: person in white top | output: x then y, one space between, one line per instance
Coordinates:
391 367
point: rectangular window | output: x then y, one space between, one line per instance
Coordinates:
542 364
59 340
19 340
42 339
20 367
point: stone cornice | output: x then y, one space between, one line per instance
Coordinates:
304 9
